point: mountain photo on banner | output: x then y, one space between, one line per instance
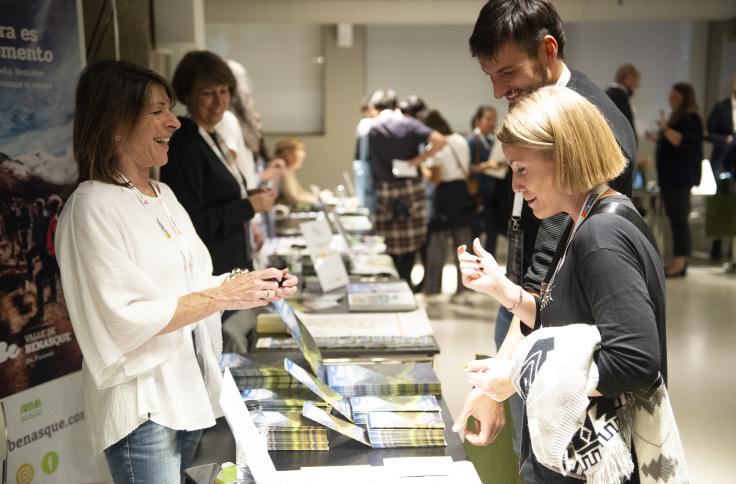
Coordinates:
40 62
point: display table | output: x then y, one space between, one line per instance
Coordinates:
218 445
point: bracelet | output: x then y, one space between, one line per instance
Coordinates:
518 303
235 273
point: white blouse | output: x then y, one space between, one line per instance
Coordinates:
454 155
122 278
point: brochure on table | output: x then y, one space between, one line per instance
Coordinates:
327 262
244 431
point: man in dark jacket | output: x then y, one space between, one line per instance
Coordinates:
622 88
520 47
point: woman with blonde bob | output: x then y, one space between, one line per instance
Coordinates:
606 274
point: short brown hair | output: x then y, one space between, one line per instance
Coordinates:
201 66
111 96
285 146
558 119
625 71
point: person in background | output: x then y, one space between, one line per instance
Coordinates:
520 45
453 208
258 171
291 150
361 165
202 171
394 150
721 130
412 106
608 281
492 192
625 83
679 156
138 282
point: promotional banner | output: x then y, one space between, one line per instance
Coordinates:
41 56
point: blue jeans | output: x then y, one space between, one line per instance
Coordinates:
152 453
516 404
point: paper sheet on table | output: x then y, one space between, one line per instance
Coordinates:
244 431
409 323
419 466
497 155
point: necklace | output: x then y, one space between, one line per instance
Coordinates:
174 234
545 290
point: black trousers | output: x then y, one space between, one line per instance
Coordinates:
404 264
677 207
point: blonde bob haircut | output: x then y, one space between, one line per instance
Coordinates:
560 120
285 146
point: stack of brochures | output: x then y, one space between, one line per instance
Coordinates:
283 400
408 378
405 429
380 296
292 431
255 375
362 406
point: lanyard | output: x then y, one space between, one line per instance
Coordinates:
224 156
174 234
590 201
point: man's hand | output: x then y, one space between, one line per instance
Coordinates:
488 417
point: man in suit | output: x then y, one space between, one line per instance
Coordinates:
520 47
622 88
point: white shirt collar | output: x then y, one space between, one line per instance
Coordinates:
564 77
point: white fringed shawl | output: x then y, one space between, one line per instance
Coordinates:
589 439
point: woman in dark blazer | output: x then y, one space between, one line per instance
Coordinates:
202 172
679 157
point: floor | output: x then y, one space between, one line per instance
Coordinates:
701 335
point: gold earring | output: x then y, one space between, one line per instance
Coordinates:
117 137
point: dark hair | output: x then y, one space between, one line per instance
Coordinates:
111 96
479 114
412 105
384 99
433 119
525 22
689 103
201 66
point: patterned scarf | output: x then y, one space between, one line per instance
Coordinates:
591 438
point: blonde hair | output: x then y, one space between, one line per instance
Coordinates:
285 146
558 119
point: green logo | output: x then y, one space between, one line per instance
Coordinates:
30 406
50 462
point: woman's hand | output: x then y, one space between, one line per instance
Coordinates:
492 376
274 171
480 271
256 288
262 201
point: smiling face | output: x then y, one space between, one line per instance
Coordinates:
514 74
487 123
534 177
208 103
147 144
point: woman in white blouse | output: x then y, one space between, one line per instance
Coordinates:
138 282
